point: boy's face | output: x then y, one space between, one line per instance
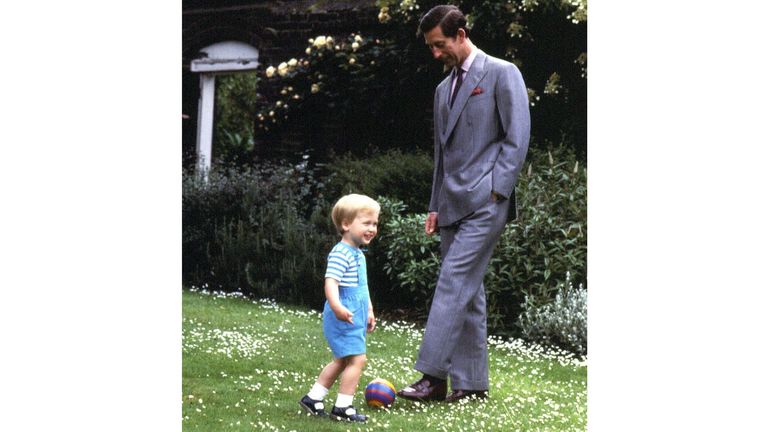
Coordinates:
362 229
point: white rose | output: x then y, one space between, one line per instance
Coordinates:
292 62
355 46
319 41
308 50
351 60
282 69
384 14
315 88
270 72
358 39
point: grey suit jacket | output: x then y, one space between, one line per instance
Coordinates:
480 143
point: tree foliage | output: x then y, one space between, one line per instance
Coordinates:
378 89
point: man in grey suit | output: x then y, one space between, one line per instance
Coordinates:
482 128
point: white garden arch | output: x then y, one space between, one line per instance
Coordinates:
219 58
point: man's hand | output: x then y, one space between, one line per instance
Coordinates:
430 225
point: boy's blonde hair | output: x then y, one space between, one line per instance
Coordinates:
348 206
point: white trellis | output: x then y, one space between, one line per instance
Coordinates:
219 58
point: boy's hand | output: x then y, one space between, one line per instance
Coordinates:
371 321
343 314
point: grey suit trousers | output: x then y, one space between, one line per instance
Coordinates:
455 339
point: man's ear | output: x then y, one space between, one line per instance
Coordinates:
461 35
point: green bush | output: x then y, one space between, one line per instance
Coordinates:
266 230
533 257
255 230
562 322
546 242
410 258
236 107
407 176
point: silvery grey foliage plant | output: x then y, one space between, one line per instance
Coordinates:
563 322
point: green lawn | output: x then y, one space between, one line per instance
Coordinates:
246 364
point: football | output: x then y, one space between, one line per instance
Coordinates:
379 393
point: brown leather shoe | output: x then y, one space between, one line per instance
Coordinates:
424 390
458 395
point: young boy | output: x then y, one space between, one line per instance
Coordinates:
348 311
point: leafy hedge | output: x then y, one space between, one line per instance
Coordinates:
256 230
407 176
266 231
534 254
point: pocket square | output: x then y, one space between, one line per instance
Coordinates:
476 91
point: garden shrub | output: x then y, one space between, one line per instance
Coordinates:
235 109
546 242
254 230
289 255
266 230
406 176
562 322
533 257
410 258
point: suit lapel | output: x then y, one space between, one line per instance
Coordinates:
443 90
474 75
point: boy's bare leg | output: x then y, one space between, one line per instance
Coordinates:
352 372
331 372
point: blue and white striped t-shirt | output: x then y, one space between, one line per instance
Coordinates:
343 263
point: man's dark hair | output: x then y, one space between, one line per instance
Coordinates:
448 17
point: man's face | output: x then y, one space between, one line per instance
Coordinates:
448 50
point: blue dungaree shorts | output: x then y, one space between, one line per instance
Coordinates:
347 339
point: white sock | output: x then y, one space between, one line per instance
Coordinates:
317 392
343 401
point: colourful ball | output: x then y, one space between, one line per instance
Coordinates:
379 393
